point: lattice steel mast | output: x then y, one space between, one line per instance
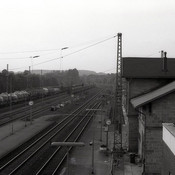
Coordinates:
117 149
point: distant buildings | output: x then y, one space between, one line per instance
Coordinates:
150 101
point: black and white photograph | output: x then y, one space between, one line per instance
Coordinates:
87 87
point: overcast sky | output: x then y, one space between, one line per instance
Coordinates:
42 27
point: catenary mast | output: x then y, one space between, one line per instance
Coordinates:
118 117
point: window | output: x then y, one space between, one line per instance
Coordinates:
144 107
150 108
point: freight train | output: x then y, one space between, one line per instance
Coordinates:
19 96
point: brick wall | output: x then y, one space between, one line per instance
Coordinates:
163 111
153 151
164 108
137 87
150 146
140 86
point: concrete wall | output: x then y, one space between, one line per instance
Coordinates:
133 133
141 139
168 161
168 149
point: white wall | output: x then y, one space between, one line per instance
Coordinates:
169 136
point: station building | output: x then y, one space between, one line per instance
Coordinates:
149 102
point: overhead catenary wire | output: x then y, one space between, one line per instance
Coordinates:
29 51
46 50
14 58
22 58
80 50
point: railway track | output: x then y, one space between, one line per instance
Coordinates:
27 107
36 157
24 103
55 160
26 112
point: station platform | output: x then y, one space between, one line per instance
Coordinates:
16 133
81 161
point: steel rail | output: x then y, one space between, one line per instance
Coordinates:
34 153
78 136
23 112
39 139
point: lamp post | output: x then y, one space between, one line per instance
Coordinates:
36 56
31 102
92 143
100 119
101 128
63 48
68 145
11 102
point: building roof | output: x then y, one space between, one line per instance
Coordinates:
142 67
153 95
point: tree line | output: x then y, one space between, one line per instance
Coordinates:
10 81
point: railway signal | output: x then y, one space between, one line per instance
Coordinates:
31 103
108 122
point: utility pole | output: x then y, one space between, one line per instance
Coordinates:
7 75
10 77
117 147
31 102
41 83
